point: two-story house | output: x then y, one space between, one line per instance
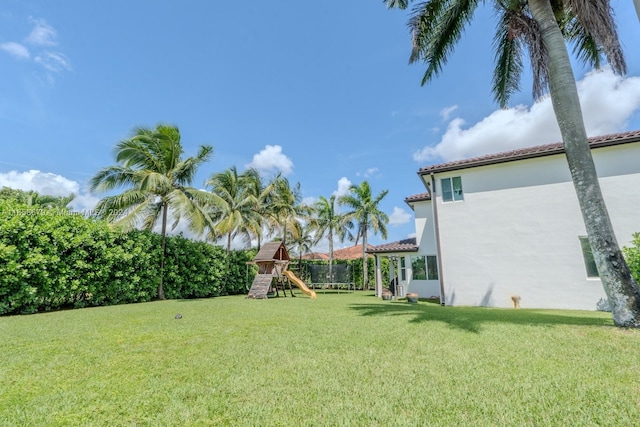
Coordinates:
508 224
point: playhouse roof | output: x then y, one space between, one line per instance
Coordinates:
272 251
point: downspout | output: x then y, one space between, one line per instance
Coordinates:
436 226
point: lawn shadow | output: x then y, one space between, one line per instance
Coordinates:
471 319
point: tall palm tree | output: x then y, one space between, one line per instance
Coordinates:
233 213
302 241
366 213
284 208
543 27
156 177
255 187
330 223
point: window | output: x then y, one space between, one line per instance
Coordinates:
424 267
452 189
589 261
403 269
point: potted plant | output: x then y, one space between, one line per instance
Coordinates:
412 297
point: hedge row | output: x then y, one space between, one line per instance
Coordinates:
51 259
632 256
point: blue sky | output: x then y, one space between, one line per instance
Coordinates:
318 90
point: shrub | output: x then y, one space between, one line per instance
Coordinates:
52 259
632 256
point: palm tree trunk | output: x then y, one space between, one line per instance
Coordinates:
164 251
637 5
621 289
364 259
228 244
330 237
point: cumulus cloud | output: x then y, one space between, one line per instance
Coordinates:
49 184
399 216
271 158
608 101
15 49
343 187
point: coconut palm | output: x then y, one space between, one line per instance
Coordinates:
156 177
254 185
366 213
329 223
284 209
543 27
302 241
233 213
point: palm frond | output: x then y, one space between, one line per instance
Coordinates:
508 57
112 177
596 17
400 4
185 171
436 27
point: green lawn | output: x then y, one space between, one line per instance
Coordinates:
347 359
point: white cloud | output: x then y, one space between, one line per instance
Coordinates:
42 34
371 172
48 184
445 113
608 101
41 39
15 49
343 187
272 158
399 216
309 201
53 61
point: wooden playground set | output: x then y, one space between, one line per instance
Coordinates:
272 261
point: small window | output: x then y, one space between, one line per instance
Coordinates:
432 267
589 261
403 270
424 267
452 189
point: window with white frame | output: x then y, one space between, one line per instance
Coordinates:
452 189
424 267
589 261
403 269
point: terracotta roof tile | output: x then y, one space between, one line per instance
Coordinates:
316 256
406 245
417 198
353 252
530 152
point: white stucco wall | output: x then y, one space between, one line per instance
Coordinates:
516 232
425 239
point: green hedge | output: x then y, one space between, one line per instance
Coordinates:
632 256
52 259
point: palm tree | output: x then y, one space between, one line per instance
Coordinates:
542 27
33 198
366 213
150 164
328 222
233 213
255 187
303 241
284 208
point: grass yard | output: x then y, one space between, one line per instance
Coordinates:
347 359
